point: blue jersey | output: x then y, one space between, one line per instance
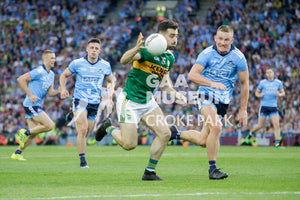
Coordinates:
89 78
40 82
269 88
222 69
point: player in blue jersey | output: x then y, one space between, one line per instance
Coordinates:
36 84
90 73
268 90
215 71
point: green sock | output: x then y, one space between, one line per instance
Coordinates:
151 165
110 129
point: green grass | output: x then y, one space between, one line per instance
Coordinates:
53 172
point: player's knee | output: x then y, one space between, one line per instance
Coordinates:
165 136
202 143
217 129
49 126
129 146
276 126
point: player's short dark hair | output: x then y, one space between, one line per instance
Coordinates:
271 68
166 24
94 40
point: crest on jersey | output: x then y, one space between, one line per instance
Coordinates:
230 63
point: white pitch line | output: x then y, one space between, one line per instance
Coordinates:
114 155
161 195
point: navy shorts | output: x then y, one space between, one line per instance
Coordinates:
204 101
32 111
266 111
91 109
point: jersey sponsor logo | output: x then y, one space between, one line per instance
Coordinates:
151 68
158 70
91 79
221 73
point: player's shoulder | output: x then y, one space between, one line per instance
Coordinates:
263 81
79 60
170 53
237 52
105 62
208 50
277 81
38 69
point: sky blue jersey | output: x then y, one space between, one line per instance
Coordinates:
89 78
221 69
40 82
269 88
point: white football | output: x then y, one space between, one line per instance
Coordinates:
156 44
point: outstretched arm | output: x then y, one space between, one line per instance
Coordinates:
132 54
166 85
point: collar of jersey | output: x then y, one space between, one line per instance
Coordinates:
45 68
85 57
215 48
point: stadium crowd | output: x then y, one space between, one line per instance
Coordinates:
269 35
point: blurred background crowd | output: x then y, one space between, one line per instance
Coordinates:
267 32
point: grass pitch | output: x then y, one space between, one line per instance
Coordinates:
53 172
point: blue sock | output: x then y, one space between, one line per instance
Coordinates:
27 132
82 157
175 135
18 151
212 165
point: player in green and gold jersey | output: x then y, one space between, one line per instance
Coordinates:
136 102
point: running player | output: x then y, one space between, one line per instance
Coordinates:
90 73
268 90
36 84
215 71
136 102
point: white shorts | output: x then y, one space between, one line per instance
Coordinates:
131 112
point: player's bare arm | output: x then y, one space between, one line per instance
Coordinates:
111 89
195 76
244 80
132 54
167 86
258 93
280 93
51 92
23 83
62 81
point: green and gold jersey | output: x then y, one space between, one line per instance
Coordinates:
146 74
